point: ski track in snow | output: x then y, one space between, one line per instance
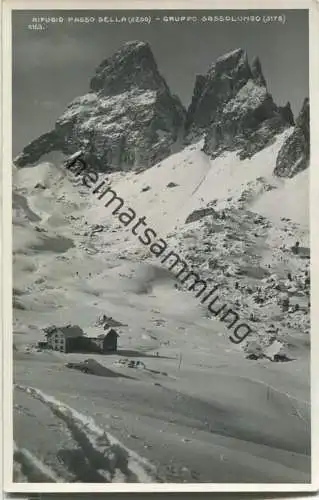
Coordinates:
29 467
104 454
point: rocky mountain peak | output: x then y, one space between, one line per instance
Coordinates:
129 117
223 80
294 154
232 108
230 61
132 66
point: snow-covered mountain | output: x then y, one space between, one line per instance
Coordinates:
226 186
232 106
129 117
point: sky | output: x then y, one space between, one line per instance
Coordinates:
53 66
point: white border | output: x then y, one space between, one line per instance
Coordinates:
313 6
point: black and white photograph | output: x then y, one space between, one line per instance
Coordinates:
161 248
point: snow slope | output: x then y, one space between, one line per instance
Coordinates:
197 181
291 199
251 423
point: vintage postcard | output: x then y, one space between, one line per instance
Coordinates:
157 253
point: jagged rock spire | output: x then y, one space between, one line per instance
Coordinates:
294 154
223 80
287 113
257 73
232 108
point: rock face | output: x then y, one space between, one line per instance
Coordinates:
222 81
294 154
129 117
232 107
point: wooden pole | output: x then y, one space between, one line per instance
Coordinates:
180 360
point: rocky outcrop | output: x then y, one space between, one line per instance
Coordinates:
129 117
200 214
233 109
45 144
294 154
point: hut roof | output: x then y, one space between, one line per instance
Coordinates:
110 331
68 331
